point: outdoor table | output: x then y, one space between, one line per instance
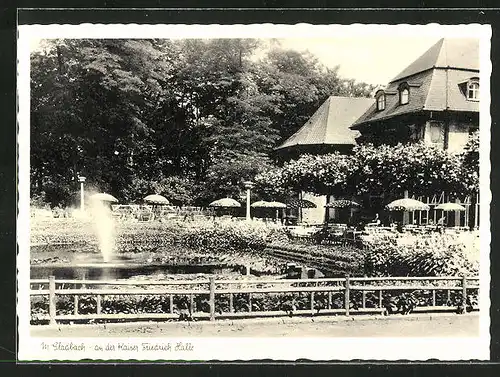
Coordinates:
386 228
337 232
354 233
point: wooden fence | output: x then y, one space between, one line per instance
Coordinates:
345 296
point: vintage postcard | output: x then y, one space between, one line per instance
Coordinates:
241 192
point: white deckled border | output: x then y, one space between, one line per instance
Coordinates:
255 348
265 30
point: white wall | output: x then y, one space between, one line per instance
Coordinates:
433 135
458 136
314 215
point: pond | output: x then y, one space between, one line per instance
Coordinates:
84 262
126 271
72 261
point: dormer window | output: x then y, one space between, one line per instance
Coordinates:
380 101
473 90
404 93
470 89
404 96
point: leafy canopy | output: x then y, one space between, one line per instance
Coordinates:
189 118
418 168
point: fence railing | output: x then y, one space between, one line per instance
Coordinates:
211 299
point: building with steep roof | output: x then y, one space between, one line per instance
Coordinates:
328 128
434 99
326 131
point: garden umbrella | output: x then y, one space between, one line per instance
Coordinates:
225 203
264 204
156 199
407 204
260 204
300 203
450 207
342 203
103 197
276 205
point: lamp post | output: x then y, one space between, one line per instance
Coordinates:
248 185
81 180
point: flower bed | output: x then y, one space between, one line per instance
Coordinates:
346 254
141 236
381 255
172 243
434 255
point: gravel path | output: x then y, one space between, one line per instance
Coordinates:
418 325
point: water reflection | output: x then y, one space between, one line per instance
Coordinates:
113 271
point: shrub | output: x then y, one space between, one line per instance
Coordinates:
227 236
341 253
335 259
435 255
206 235
416 167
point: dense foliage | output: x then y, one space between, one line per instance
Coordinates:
280 303
386 255
437 255
201 241
470 162
335 260
206 235
177 117
420 169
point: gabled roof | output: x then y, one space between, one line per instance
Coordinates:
330 123
458 53
434 81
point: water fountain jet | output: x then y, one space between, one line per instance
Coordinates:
104 226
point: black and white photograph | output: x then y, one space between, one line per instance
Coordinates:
239 192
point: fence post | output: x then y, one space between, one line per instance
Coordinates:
363 297
347 294
75 303
464 294
98 304
211 301
329 300
191 304
52 300
312 302
231 307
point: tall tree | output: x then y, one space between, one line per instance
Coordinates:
300 84
152 115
